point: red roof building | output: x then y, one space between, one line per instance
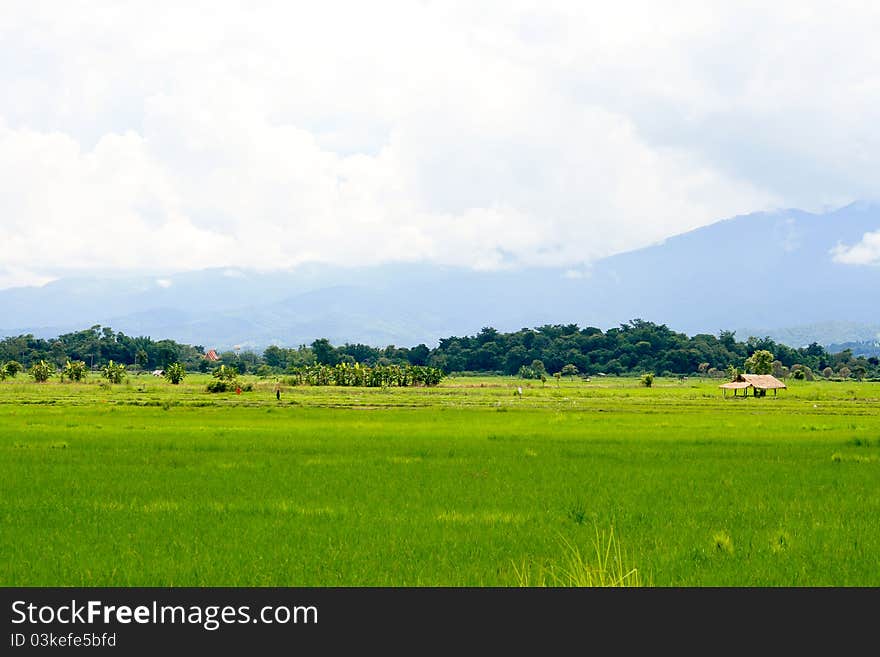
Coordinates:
212 355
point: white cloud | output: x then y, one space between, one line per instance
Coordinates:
477 134
164 283
866 252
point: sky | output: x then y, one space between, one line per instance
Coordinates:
182 135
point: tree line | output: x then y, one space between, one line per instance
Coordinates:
635 347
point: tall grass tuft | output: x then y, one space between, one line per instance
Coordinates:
722 542
611 567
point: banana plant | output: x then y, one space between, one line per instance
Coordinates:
42 371
74 370
114 372
175 373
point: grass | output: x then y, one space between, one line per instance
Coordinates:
150 484
607 567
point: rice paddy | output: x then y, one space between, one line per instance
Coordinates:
465 484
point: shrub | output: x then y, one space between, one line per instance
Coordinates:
42 371
224 373
647 379
221 385
175 373
224 385
12 368
806 372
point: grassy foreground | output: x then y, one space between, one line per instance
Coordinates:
465 484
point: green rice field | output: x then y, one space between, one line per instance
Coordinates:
465 484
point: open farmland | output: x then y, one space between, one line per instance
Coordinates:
149 484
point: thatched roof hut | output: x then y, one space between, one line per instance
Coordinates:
759 383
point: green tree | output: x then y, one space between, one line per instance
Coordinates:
760 362
570 370
648 379
418 355
516 358
42 370
325 353
12 368
275 356
113 372
175 373
141 358
728 340
534 371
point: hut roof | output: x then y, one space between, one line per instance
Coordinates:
759 381
763 381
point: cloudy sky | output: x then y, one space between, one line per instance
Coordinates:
143 135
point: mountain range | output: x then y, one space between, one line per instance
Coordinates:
768 273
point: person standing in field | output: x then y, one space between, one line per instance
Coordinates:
277 390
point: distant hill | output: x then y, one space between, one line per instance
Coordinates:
825 333
866 349
771 270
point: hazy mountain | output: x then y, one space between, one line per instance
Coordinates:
769 273
826 333
865 348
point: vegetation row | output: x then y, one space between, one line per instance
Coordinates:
632 348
